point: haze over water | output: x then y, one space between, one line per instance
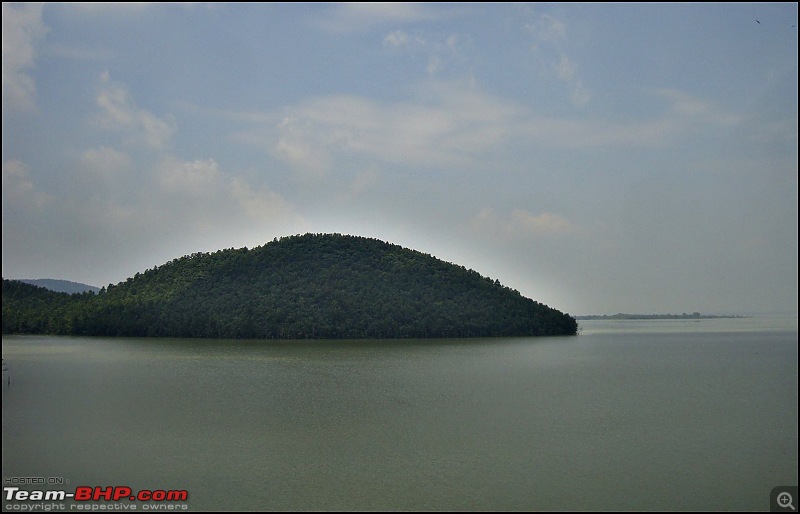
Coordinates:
636 415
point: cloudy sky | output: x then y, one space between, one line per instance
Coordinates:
599 158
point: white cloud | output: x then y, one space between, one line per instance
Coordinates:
201 195
262 205
303 147
450 126
22 30
197 179
119 112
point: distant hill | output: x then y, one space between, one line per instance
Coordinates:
623 316
309 286
61 286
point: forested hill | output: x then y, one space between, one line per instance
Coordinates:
310 286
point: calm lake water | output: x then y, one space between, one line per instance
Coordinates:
629 415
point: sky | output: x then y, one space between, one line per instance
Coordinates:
598 158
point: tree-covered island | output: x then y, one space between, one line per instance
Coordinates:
298 287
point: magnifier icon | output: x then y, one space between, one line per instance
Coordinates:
785 500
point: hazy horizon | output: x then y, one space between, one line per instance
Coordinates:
598 158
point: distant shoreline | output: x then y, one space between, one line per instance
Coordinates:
622 316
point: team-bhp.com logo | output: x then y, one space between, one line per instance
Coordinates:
84 493
88 497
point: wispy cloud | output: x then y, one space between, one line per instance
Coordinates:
521 224
682 115
549 36
545 28
119 112
205 198
439 52
453 125
305 148
450 127
686 106
23 29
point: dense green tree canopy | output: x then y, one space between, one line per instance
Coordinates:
309 286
